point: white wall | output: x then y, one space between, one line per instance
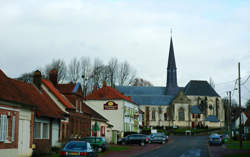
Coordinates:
24 133
115 117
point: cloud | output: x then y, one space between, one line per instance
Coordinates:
210 38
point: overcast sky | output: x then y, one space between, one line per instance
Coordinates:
210 37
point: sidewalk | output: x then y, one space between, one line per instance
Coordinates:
134 151
220 151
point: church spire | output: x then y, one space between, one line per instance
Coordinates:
171 69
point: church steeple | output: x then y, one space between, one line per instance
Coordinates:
171 69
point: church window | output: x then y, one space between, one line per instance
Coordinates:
165 116
153 115
181 114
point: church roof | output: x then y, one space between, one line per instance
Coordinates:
171 58
196 109
139 90
152 99
212 119
199 88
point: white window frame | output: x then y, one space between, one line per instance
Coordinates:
41 130
76 105
4 128
80 106
13 128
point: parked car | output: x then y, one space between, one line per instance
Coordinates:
78 148
122 140
98 143
160 134
215 139
140 139
158 139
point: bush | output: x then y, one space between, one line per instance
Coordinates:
146 131
129 133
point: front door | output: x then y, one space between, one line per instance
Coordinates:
24 137
192 124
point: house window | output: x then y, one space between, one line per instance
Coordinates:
76 105
45 130
153 115
80 106
13 128
3 127
41 130
102 131
181 114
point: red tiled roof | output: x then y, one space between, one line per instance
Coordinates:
66 88
107 93
25 93
57 94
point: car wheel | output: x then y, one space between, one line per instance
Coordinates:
163 142
123 143
149 142
99 149
142 144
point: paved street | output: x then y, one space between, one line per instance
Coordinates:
181 146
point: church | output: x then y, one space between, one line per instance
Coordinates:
195 105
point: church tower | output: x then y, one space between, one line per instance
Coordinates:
172 87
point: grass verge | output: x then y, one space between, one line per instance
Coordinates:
238 155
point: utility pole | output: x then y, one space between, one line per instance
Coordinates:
230 115
240 105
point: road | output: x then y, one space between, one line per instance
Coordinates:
181 146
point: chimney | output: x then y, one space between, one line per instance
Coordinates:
104 84
37 79
95 88
53 76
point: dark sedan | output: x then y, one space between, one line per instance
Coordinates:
78 149
158 139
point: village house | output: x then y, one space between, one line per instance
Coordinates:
80 118
16 117
245 121
120 110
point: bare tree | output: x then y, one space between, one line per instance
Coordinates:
86 73
61 68
112 71
97 72
141 82
125 74
211 82
26 77
74 70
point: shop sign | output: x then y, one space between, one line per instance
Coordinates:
110 105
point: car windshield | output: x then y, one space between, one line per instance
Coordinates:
76 145
91 140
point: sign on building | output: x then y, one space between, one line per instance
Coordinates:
110 105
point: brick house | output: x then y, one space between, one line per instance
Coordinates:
47 118
68 97
16 117
82 118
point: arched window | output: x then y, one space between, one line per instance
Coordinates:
153 115
181 114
